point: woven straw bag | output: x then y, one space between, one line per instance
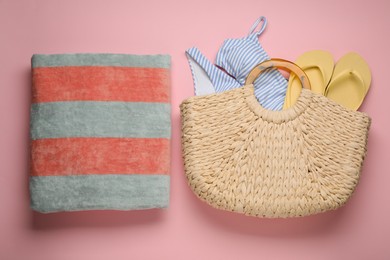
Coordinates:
241 157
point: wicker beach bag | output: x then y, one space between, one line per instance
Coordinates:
243 158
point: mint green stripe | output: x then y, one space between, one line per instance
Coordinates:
89 192
100 119
101 59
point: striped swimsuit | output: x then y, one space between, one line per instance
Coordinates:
235 59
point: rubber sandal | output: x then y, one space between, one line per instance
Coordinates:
318 66
350 82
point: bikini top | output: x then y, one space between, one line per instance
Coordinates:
235 59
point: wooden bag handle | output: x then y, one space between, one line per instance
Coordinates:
280 64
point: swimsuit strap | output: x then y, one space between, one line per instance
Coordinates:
257 22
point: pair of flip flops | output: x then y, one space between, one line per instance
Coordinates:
347 82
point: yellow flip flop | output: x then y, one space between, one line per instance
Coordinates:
318 66
350 81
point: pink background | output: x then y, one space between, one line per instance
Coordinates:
190 229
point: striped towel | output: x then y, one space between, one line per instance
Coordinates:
100 132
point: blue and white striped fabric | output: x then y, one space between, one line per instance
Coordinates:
219 79
237 57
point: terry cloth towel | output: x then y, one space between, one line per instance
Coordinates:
100 132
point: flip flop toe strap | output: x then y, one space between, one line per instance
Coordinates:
344 74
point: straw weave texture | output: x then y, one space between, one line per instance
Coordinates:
241 157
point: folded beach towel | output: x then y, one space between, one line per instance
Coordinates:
100 132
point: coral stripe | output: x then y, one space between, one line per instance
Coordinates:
77 156
92 83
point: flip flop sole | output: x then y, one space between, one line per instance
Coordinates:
350 82
318 66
